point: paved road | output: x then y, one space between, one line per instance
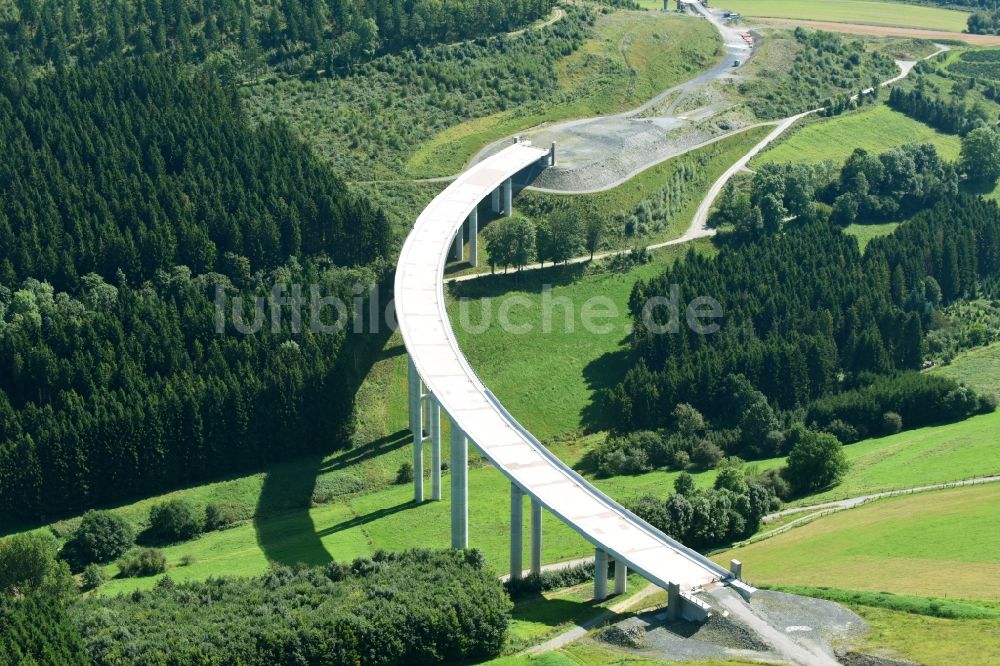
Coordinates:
852 502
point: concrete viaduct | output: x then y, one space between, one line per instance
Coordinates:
440 378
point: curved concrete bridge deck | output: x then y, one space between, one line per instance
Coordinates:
441 377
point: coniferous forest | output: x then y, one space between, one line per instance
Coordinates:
808 316
131 189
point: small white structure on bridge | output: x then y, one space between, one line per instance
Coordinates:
440 377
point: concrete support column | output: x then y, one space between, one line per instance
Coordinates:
621 577
536 537
508 197
435 428
516 531
495 200
600 575
459 488
459 248
474 237
416 427
425 410
673 602
552 154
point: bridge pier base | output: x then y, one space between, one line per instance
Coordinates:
474 237
495 200
459 249
508 197
600 575
459 487
536 537
435 428
516 531
417 429
621 577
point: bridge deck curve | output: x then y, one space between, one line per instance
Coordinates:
430 341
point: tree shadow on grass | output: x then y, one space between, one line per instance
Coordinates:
604 372
531 282
359 521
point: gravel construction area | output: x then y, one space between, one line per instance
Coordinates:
804 631
597 153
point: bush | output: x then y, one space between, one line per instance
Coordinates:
332 486
101 537
816 462
405 473
684 484
146 562
390 609
28 564
843 431
220 515
173 521
891 423
93 577
987 404
706 455
776 483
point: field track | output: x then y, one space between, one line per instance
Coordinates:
888 31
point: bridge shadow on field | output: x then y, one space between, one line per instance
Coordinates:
285 530
284 527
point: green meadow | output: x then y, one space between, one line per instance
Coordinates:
875 129
855 11
943 543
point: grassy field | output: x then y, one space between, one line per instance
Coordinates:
865 233
632 56
547 376
919 457
591 653
944 543
854 11
930 640
979 368
876 129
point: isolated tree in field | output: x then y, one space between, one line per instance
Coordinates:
684 484
101 537
981 155
817 461
594 230
174 520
